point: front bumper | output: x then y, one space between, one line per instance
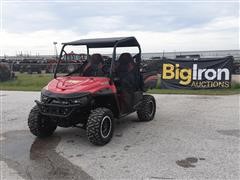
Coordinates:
57 110
62 105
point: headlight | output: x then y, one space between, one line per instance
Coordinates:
63 101
81 101
44 98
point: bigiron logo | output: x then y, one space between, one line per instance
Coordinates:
197 77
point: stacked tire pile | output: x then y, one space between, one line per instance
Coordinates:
5 72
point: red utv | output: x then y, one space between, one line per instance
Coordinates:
94 94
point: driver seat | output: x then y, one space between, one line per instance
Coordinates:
94 66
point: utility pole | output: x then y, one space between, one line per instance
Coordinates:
55 49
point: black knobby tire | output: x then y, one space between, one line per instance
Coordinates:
147 108
40 126
97 134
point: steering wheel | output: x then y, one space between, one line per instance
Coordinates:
106 69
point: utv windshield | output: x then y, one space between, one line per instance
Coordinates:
73 63
70 61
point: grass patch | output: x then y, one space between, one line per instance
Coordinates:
35 82
236 86
196 92
27 82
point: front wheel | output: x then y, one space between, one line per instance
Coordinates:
40 126
100 126
147 108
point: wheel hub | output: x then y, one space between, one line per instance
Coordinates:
151 108
106 126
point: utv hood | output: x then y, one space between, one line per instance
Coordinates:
68 85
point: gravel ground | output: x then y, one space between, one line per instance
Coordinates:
191 137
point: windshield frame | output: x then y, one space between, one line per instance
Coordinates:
113 56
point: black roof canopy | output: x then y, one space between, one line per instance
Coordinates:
106 42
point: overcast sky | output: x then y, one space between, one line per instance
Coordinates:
159 26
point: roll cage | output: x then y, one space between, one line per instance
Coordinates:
104 43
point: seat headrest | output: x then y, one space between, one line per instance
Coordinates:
125 58
96 59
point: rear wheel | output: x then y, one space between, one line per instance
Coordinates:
100 126
147 108
40 126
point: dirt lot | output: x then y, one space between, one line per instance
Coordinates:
191 137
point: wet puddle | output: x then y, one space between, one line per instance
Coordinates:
208 97
188 162
230 132
37 158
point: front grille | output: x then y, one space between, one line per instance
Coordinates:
61 107
60 101
55 111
